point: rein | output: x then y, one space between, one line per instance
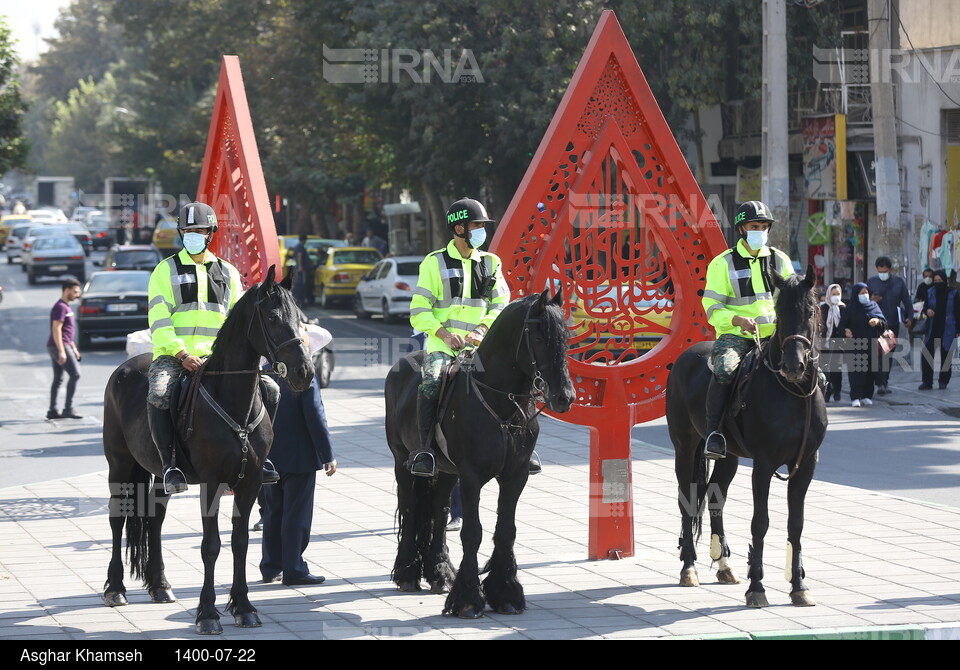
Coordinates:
539 384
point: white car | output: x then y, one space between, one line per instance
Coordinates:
47 215
388 288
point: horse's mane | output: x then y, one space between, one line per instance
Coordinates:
554 326
235 328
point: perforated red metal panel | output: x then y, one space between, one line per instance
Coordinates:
610 211
232 182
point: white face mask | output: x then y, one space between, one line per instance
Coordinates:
756 238
194 243
928 280
884 276
834 300
864 298
478 237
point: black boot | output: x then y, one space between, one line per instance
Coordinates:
269 474
161 428
423 462
535 467
717 394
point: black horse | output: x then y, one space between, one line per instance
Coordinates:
782 422
490 425
225 450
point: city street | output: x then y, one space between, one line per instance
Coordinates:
906 444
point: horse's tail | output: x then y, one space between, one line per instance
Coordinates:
136 505
700 472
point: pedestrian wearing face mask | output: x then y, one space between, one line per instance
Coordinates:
892 295
864 322
831 351
942 307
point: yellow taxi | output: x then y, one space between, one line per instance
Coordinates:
8 222
165 236
316 247
337 277
612 324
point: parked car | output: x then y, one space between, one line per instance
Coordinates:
323 363
113 304
14 243
7 223
54 256
388 288
131 257
337 278
102 235
166 238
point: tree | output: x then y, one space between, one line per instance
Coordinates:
13 145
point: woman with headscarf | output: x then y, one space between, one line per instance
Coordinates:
863 321
831 351
942 307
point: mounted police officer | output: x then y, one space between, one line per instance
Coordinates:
739 303
459 294
190 295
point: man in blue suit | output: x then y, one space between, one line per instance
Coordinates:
301 446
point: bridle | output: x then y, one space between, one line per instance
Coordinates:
810 364
539 384
272 349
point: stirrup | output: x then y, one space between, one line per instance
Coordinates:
714 453
534 467
174 481
423 464
270 474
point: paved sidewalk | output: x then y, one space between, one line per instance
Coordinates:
879 566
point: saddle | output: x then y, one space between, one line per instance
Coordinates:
440 441
737 400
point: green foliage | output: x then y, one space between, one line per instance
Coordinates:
321 141
13 145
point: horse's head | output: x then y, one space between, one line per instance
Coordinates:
544 355
797 322
275 331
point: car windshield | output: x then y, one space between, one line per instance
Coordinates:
57 242
167 224
46 230
99 220
409 268
137 257
111 282
358 257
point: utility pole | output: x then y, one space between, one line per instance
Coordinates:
884 131
775 166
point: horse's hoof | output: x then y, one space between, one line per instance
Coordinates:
727 576
115 599
469 612
209 627
162 596
689 577
409 587
247 620
508 609
757 599
802 599
439 587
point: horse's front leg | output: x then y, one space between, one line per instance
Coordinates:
114 592
716 498
501 587
208 618
756 596
239 605
465 599
157 585
437 568
796 494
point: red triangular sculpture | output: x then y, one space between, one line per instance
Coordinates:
231 182
609 210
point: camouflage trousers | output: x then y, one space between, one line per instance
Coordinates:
166 371
434 365
728 351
